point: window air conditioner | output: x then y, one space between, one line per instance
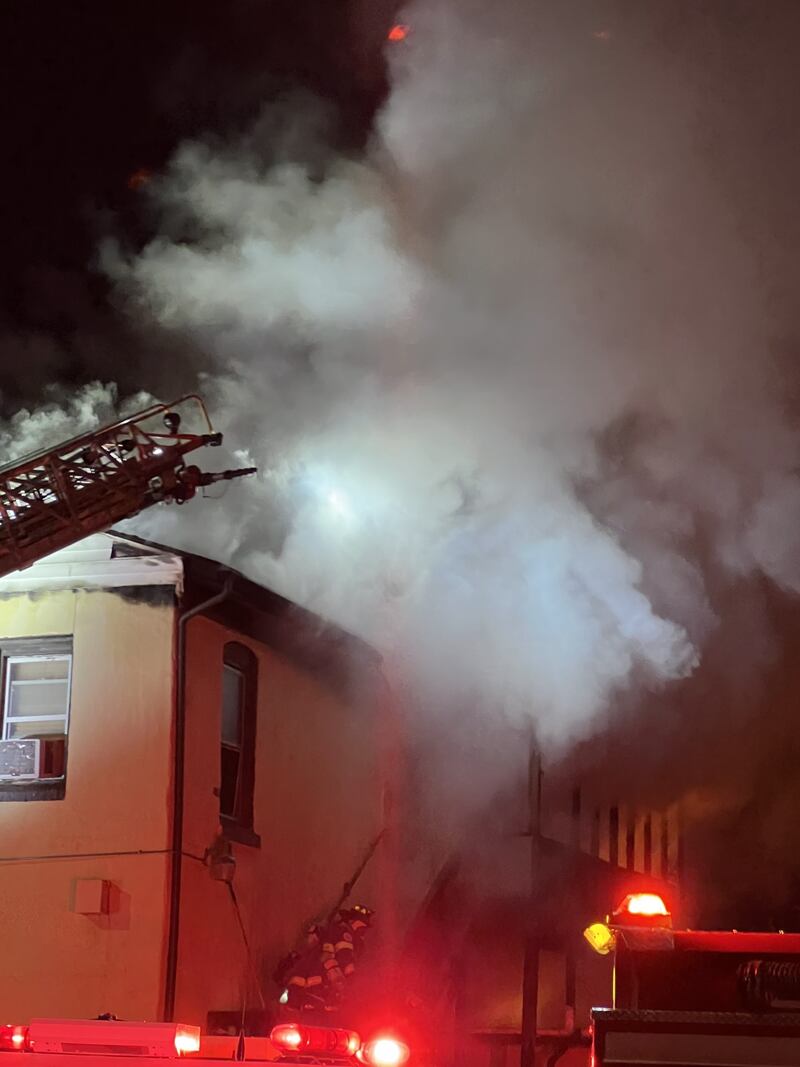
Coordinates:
32 759
20 760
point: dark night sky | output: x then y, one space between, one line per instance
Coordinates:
94 90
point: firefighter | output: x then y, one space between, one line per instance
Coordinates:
359 919
302 975
313 979
305 981
343 941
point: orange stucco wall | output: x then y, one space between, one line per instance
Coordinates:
118 774
318 798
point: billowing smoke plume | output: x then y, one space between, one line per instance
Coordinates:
507 379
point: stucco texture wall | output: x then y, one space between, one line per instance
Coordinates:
118 775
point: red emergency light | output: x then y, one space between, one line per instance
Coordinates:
645 910
642 909
398 33
290 1037
649 904
13 1038
384 1052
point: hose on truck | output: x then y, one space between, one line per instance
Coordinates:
764 981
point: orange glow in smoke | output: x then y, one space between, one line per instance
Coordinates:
398 33
139 178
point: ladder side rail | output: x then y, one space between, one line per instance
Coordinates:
130 420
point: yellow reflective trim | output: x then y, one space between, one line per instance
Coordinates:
315 979
297 980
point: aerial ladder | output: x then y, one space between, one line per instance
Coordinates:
52 498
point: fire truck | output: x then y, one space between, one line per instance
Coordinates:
686 997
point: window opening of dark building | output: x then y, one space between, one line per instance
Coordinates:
238 735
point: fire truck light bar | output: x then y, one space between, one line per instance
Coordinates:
160 1040
290 1037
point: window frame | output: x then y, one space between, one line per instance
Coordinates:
239 747
9 659
37 647
239 825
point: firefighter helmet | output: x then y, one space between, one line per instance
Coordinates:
358 913
362 909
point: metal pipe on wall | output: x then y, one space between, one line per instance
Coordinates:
176 850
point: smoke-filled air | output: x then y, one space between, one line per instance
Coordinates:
507 375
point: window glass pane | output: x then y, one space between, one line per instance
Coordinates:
34 669
30 699
232 700
32 728
228 793
237 733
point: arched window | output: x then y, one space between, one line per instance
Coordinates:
238 735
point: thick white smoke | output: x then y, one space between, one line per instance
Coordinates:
506 378
62 414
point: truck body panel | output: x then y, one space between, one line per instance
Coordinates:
689 1039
